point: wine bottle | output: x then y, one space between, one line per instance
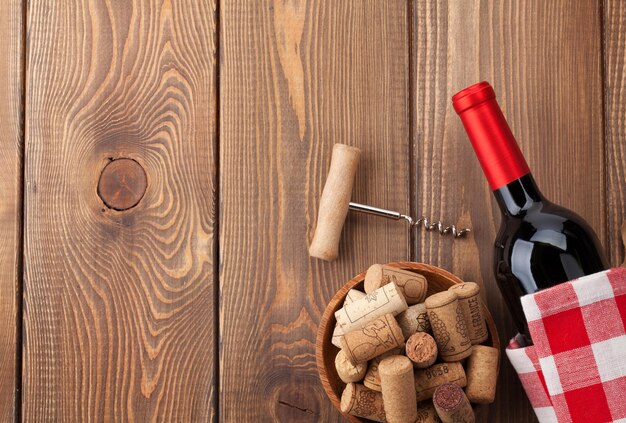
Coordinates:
539 244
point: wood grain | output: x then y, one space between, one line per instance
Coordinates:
297 77
117 304
119 300
11 144
544 61
615 124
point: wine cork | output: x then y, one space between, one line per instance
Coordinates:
421 349
397 383
411 285
359 401
347 371
472 308
452 405
334 202
414 319
386 299
426 413
427 380
376 338
351 296
448 325
337 337
372 377
482 374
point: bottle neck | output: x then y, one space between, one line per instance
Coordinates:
492 139
518 196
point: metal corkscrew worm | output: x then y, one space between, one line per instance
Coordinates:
423 221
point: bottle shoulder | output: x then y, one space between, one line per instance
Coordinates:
545 216
547 229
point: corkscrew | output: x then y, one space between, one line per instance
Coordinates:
335 203
423 221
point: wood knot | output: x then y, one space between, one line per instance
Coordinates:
122 184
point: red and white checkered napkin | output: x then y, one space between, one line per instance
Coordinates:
576 369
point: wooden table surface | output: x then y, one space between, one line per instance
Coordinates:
176 285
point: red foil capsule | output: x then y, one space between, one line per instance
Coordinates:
492 139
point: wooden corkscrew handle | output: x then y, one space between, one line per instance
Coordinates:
334 202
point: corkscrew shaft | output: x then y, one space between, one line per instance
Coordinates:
422 221
364 208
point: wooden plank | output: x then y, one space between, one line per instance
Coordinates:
297 77
615 123
11 144
118 303
543 59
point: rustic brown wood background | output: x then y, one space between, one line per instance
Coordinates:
201 302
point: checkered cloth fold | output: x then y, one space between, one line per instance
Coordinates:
576 369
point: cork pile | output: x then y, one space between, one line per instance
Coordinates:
406 357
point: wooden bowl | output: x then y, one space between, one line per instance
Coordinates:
325 351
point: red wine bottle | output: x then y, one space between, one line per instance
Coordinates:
540 244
